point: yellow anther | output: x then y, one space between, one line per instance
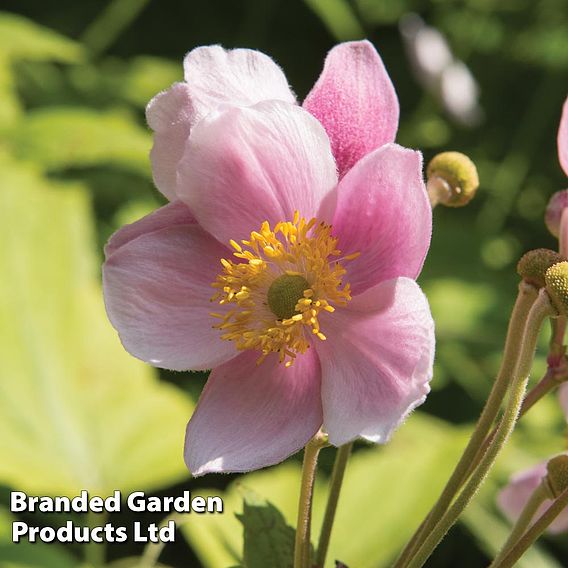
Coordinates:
236 245
282 281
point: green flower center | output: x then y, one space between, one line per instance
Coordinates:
284 293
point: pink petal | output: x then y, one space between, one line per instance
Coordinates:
176 213
563 138
157 289
251 416
237 77
514 497
376 362
355 101
170 114
383 212
243 166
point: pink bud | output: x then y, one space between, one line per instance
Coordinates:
558 202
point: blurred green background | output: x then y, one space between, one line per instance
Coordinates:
77 412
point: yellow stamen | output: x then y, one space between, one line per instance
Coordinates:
284 278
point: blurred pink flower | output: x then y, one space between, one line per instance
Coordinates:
556 216
515 496
321 270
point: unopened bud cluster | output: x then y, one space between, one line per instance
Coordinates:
533 265
556 279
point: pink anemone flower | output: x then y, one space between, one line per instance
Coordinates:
286 259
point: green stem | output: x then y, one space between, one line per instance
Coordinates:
543 387
334 489
95 552
525 299
540 494
115 17
549 382
532 534
152 551
540 310
302 544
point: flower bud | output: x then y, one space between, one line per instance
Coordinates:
556 279
533 265
557 475
453 178
558 202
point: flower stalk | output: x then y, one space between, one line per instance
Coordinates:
525 299
533 533
337 475
540 494
302 546
551 380
541 309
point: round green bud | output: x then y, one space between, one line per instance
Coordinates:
557 475
458 174
556 279
533 265
284 293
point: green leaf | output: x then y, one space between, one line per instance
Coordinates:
10 109
76 411
145 77
450 296
338 17
268 540
36 555
60 138
21 38
29 555
384 12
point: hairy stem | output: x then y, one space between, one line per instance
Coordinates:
302 544
532 534
334 489
525 299
540 310
540 494
548 382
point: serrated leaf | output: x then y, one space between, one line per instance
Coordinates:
21 38
61 138
268 539
76 411
218 539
